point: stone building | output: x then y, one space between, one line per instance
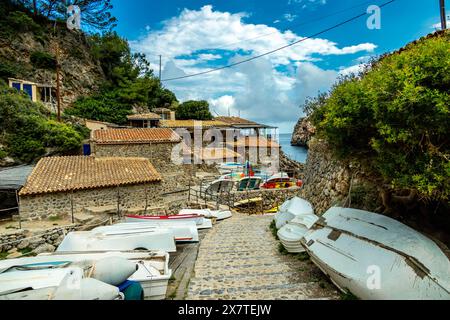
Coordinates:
61 186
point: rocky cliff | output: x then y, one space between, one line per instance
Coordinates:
303 132
80 73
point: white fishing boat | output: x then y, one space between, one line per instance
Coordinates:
28 275
207 213
205 223
88 289
219 186
183 232
198 219
153 271
295 207
290 234
161 239
376 257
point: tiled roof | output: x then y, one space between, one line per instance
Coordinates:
234 120
144 116
217 154
140 135
192 123
254 141
59 174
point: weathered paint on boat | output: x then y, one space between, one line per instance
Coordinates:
161 239
376 257
197 218
183 232
217 214
290 236
295 207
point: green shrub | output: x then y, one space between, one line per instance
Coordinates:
29 132
396 118
43 60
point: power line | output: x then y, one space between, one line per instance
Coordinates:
292 26
286 28
277 49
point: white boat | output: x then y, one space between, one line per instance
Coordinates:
198 219
64 279
206 223
88 289
153 267
161 239
219 186
295 207
207 213
376 257
290 234
186 231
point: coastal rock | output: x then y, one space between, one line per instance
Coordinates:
303 132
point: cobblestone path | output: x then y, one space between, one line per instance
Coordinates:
239 259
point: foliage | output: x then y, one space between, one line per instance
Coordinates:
43 60
129 82
197 110
397 116
28 131
96 14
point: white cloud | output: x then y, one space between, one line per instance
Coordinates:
209 56
269 89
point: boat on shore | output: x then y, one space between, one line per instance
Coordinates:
295 207
281 180
199 222
183 232
210 214
161 239
197 218
376 257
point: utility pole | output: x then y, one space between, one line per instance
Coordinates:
443 16
58 89
160 57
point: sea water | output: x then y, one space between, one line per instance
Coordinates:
293 152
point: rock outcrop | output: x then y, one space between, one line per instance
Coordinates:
81 74
303 132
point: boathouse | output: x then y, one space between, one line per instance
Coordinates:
74 185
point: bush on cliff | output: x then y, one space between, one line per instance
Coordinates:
28 130
396 115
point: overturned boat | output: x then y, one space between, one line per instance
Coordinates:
30 278
197 218
290 235
210 214
120 240
295 207
183 232
376 257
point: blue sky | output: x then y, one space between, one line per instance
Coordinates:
196 35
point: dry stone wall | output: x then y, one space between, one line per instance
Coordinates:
60 204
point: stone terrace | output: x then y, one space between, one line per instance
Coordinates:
239 259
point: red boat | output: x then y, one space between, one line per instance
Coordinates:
197 218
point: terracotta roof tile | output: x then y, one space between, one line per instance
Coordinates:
217 154
59 174
192 123
234 120
144 116
141 135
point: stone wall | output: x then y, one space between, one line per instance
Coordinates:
37 242
60 204
328 181
270 198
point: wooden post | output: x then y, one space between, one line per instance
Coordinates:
18 206
71 206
